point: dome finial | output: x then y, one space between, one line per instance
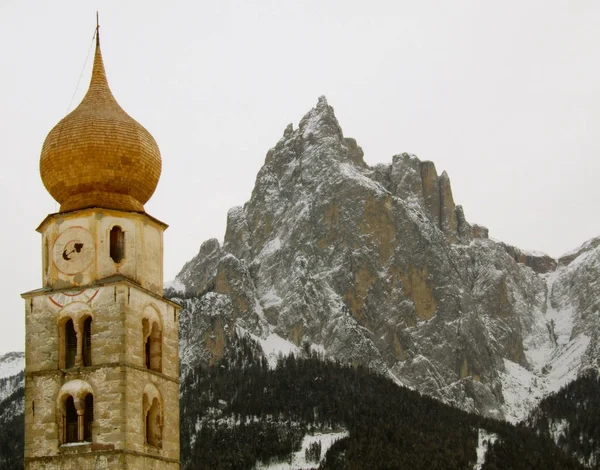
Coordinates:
97 30
99 89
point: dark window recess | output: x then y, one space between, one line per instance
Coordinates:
88 417
148 434
117 244
70 422
70 344
87 342
147 353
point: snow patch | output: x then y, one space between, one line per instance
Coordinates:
351 171
485 439
275 346
564 366
270 248
533 253
298 460
522 390
318 349
271 299
558 428
583 247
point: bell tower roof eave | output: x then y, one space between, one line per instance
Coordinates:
107 281
56 215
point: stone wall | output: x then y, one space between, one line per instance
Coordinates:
117 375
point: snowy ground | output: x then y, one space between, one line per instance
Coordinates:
274 346
485 439
298 461
523 389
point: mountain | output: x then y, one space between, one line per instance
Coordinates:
378 266
11 410
12 365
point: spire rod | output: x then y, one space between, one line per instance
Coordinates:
97 29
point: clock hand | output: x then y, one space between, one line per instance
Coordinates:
78 247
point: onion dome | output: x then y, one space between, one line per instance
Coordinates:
98 156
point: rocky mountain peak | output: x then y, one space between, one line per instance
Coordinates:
379 266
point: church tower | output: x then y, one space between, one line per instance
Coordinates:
102 363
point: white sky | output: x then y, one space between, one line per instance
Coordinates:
504 96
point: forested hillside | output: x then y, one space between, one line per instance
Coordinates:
572 418
240 411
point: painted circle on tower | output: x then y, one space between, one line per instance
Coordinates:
73 250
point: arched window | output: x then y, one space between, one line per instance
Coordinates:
117 244
75 408
70 344
87 342
77 427
70 424
152 345
75 336
153 416
88 417
153 425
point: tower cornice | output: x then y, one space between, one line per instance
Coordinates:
62 215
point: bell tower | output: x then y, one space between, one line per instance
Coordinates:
102 362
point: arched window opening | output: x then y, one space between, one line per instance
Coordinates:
87 342
152 345
70 425
70 344
88 417
154 425
117 244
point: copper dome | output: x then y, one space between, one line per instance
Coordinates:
99 156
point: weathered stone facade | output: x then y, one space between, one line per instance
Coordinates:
142 247
118 374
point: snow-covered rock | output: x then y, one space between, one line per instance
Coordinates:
12 365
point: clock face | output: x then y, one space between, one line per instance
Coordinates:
73 250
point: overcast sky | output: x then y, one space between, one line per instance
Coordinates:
504 96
